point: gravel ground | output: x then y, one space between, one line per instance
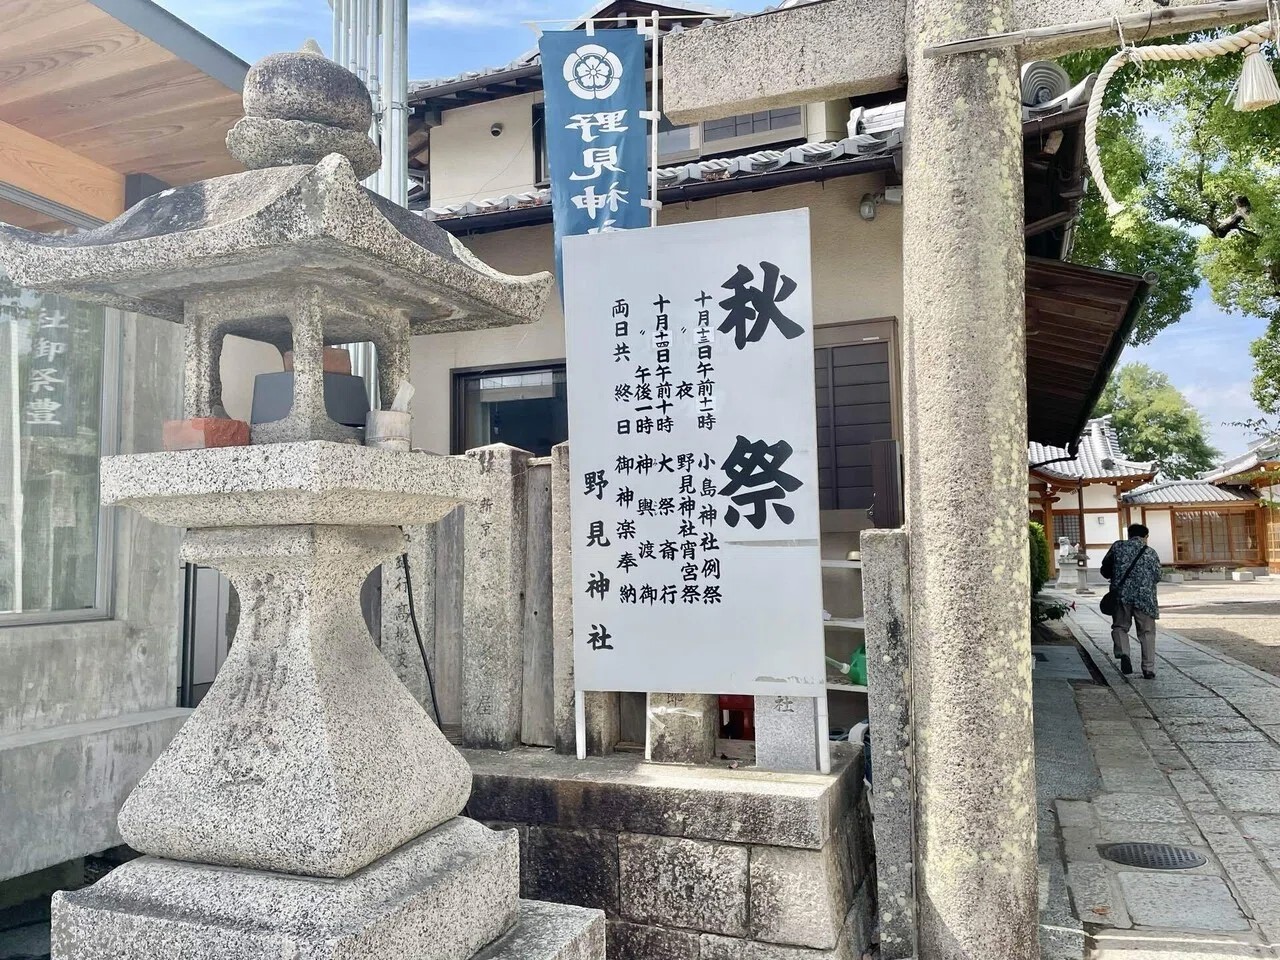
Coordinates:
1241 620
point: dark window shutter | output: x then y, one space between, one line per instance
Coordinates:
853 398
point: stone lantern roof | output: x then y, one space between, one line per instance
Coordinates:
300 212
262 226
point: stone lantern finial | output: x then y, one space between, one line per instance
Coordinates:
301 107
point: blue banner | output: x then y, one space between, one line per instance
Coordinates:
597 141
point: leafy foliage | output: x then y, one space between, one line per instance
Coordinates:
1039 557
1154 421
1201 185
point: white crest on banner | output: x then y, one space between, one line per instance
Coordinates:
592 72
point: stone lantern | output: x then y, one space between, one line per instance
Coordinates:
309 806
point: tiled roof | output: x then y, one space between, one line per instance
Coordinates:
726 168
1260 452
1187 491
1098 458
878 132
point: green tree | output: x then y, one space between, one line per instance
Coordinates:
1201 185
1039 545
1154 421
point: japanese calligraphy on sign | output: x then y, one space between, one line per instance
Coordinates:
47 405
693 449
596 137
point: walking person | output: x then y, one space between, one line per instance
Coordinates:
1133 569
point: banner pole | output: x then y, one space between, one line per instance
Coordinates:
654 203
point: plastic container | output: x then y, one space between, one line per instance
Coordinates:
387 430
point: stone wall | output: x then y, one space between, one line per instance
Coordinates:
691 863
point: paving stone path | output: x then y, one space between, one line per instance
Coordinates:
1190 758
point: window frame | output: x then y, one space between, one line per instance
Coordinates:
845 333
458 378
769 137
108 445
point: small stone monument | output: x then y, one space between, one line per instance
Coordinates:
309 807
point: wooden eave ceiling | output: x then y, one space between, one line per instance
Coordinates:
1078 321
76 76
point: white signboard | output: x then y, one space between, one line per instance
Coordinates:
693 450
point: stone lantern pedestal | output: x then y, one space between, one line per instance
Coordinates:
309 805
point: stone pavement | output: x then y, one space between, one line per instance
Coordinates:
1190 758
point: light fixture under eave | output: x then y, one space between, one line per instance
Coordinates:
871 201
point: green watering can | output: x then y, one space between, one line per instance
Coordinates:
855 669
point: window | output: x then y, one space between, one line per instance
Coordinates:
766 126
676 143
1211 536
56 421
542 169
854 411
524 407
1065 525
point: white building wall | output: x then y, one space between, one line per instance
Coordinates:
1160 523
1100 496
469 163
857 274
242 361
86 706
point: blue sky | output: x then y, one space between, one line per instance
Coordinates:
446 37
1206 354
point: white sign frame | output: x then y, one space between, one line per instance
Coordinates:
764 391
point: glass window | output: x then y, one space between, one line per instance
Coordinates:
1208 536
751 124
1066 525
52 353
676 142
526 408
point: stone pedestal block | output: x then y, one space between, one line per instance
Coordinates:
307 756
799 897
551 931
692 862
786 733
682 727
573 866
452 894
445 895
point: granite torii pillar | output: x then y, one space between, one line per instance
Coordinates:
965 403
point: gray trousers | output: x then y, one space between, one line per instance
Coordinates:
1124 618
